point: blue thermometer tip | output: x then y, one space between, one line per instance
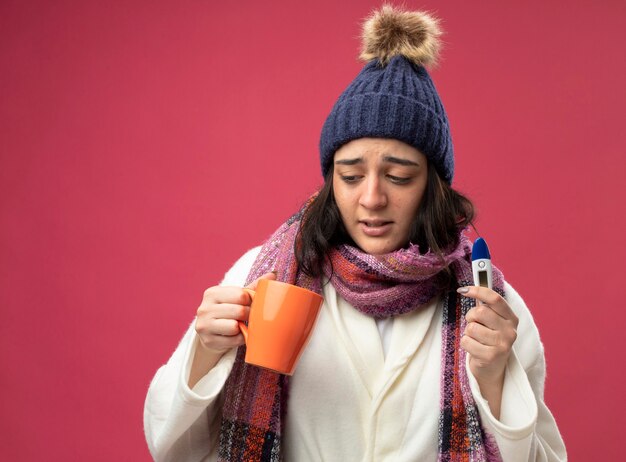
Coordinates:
480 250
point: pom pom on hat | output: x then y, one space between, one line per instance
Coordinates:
392 32
393 96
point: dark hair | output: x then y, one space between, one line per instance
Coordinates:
442 213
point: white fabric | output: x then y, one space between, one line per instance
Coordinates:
349 400
385 328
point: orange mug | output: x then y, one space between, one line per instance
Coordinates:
281 320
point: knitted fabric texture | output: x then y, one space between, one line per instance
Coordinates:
381 286
396 101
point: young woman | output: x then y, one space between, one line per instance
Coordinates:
403 364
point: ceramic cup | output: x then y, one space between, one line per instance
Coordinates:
281 320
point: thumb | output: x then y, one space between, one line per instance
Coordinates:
253 284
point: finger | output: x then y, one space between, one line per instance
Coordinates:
217 327
221 342
225 311
477 350
484 294
224 327
226 294
482 334
270 276
490 298
485 315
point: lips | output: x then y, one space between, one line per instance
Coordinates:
375 227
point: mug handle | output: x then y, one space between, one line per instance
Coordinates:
242 327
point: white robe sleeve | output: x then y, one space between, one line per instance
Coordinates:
526 430
182 424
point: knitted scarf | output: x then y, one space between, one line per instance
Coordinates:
380 286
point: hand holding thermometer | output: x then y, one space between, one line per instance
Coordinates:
481 264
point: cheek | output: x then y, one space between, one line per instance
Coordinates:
342 198
418 201
419 194
408 207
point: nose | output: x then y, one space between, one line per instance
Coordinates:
373 195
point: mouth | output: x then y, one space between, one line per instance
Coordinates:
375 227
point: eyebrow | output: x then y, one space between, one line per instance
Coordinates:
391 159
397 160
354 161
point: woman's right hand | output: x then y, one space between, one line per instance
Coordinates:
217 325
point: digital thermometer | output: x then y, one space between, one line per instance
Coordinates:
481 264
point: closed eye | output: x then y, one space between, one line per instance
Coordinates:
399 180
350 178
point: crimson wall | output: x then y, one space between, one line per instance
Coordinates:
144 145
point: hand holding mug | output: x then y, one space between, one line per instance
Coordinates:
219 313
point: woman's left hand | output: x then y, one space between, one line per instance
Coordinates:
488 339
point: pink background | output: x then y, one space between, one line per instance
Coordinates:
145 145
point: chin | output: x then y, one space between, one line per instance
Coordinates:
377 249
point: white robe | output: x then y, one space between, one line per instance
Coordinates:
353 400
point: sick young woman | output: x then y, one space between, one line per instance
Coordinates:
409 361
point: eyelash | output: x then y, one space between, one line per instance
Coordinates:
399 180
351 179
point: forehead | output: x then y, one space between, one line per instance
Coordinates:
378 147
